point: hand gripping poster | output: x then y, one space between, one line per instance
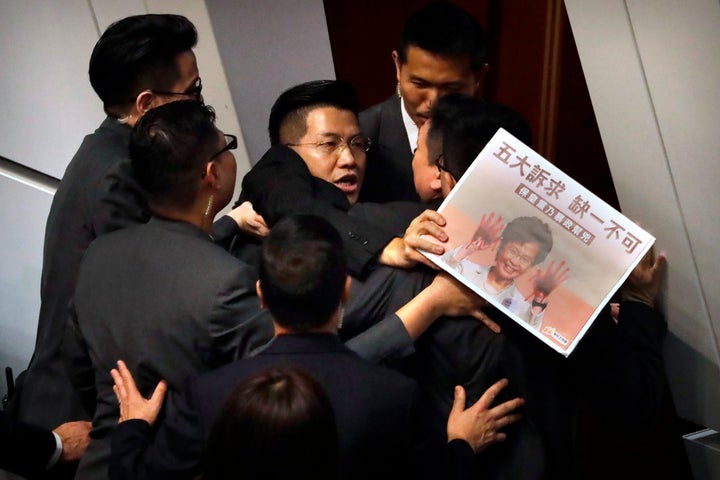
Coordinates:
535 243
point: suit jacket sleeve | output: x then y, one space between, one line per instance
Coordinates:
237 325
280 184
78 363
224 229
385 342
174 452
26 449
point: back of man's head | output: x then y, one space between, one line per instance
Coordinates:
444 29
139 53
303 270
277 423
466 124
290 110
169 146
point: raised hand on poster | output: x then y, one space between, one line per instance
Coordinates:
544 282
487 235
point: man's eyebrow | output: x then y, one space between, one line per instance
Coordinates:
451 84
337 135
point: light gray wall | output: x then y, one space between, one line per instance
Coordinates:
653 71
266 48
48 108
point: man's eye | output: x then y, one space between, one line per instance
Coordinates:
329 146
419 84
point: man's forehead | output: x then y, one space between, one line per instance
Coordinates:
437 68
331 121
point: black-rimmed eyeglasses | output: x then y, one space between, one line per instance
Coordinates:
195 91
231 143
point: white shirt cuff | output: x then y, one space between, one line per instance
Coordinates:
58 451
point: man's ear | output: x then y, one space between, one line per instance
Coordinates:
209 172
258 290
346 289
447 183
479 76
396 60
436 183
144 102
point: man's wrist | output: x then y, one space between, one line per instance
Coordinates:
540 305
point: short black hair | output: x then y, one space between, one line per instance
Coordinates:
529 230
277 423
303 269
466 124
293 105
169 147
444 29
138 53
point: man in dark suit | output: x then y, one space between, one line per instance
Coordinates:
442 50
304 284
139 62
162 294
30 451
99 193
316 165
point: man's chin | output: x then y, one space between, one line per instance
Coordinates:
420 120
352 198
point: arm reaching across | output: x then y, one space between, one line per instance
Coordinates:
249 221
445 296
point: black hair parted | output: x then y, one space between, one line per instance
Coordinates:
277 423
138 53
169 146
444 29
466 124
293 105
303 270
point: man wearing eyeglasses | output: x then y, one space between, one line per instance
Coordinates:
312 167
316 165
139 63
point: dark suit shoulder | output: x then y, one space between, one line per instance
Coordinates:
371 119
388 175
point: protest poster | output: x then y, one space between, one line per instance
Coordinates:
535 243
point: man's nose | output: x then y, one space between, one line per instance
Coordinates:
346 157
431 98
